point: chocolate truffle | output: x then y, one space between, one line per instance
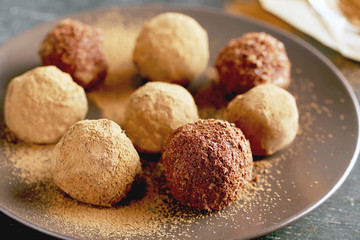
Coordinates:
207 164
252 59
268 116
95 162
76 48
172 47
41 104
154 111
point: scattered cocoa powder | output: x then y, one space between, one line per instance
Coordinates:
122 77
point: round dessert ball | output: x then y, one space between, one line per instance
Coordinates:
78 49
41 104
154 111
172 47
207 164
95 162
252 59
268 116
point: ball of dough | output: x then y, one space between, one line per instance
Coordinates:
42 103
267 115
95 162
154 111
172 47
207 164
76 48
254 58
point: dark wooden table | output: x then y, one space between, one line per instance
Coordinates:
337 218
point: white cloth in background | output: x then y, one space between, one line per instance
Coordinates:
327 25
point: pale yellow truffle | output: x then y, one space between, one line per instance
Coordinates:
172 47
267 115
154 111
95 162
42 103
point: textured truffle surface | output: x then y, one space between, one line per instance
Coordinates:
172 47
267 115
207 164
154 111
95 162
76 48
41 104
252 59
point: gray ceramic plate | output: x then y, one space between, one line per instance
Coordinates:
300 178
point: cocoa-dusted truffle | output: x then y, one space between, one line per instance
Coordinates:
154 111
171 47
267 115
253 59
76 48
207 164
95 162
41 104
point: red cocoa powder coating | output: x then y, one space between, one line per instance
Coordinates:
76 48
253 59
207 164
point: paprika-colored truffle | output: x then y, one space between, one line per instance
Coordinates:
76 48
252 59
207 164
